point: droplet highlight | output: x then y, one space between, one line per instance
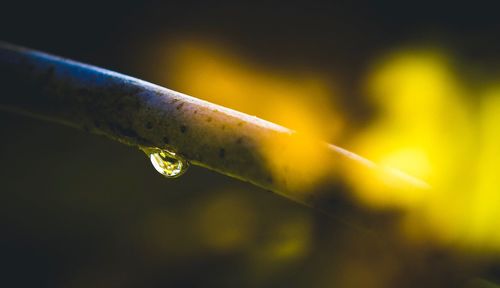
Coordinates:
166 162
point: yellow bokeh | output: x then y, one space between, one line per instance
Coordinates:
292 241
302 101
428 131
298 100
429 127
226 222
484 219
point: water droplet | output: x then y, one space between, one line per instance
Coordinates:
166 162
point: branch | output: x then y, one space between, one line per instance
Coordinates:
141 114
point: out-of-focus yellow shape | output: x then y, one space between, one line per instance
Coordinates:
484 218
293 239
423 125
226 222
294 99
427 129
298 100
289 241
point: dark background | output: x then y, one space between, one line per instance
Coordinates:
79 210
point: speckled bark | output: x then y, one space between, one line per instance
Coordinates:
139 113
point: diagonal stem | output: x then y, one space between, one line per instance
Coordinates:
138 113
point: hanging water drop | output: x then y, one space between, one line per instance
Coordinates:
166 162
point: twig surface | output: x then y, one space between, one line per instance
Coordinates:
138 113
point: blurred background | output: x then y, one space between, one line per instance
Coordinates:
413 86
